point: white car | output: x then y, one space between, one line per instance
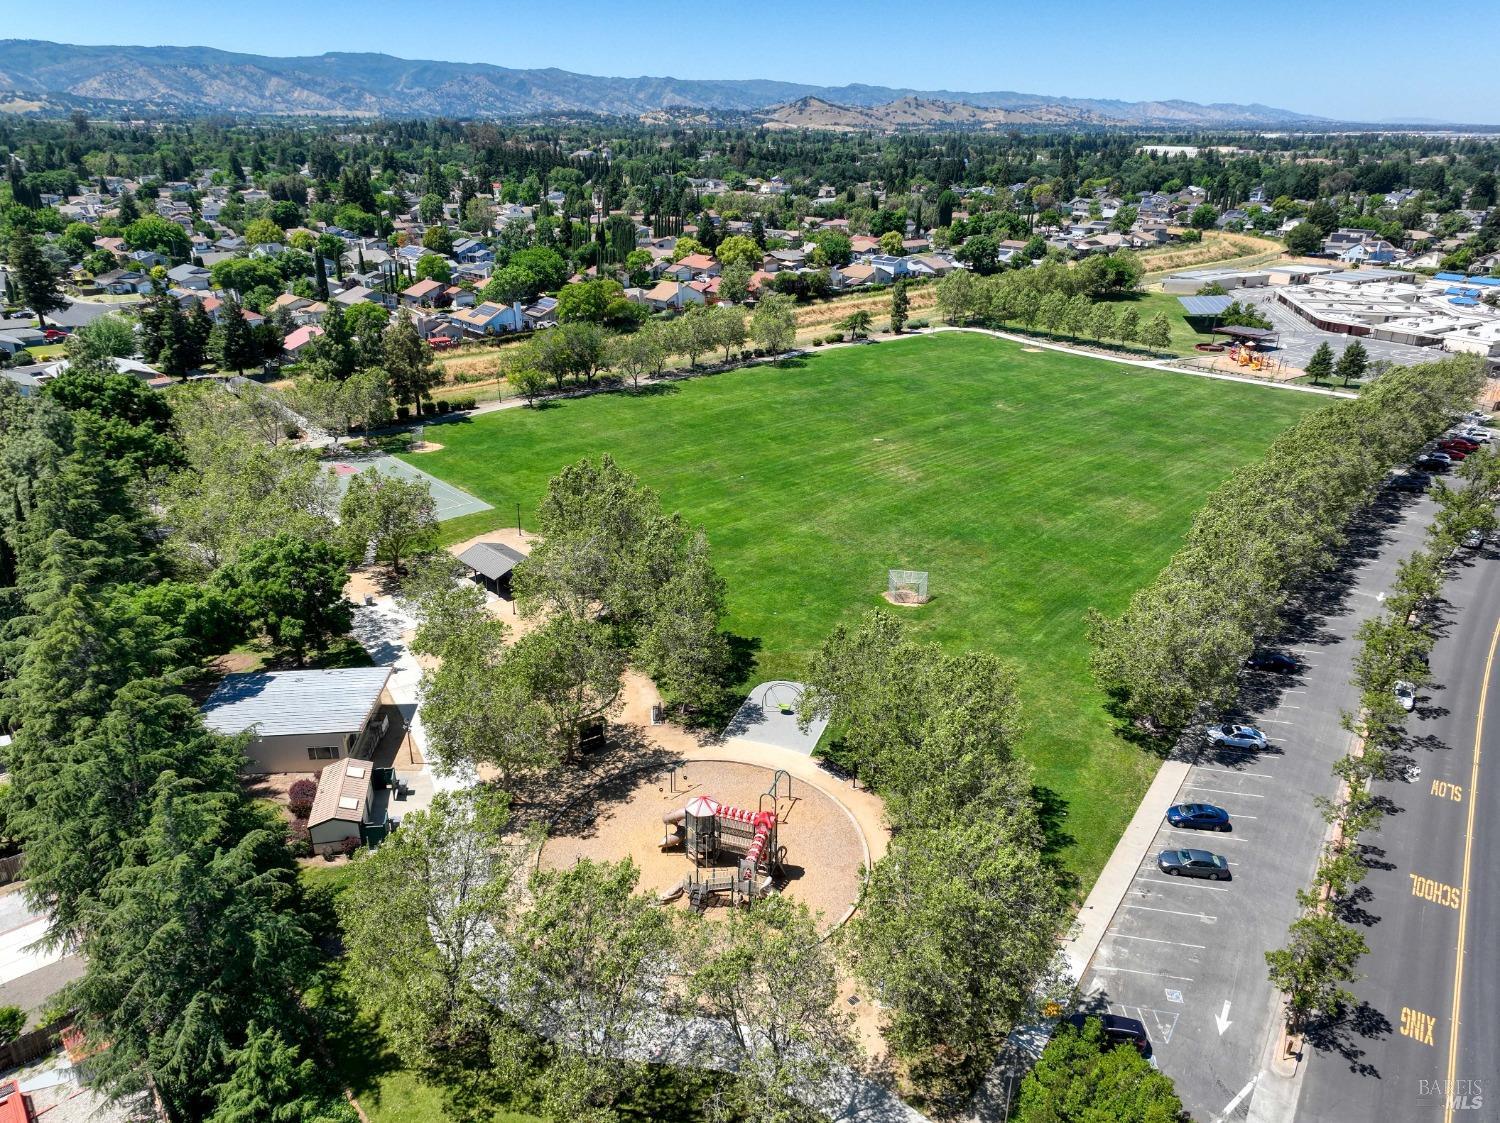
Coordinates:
1473 540
1406 694
1476 434
1236 736
1478 417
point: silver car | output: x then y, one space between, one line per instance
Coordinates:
1236 736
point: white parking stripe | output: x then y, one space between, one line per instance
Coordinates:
1219 836
1174 912
1234 772
1130 971
1153 940
1180 880
1223 791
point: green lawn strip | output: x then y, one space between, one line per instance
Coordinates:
1032 486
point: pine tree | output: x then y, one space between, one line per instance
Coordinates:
237 347
35 277
900 305
1353 363
1320 366
408 361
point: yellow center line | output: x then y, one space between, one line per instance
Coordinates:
1463 901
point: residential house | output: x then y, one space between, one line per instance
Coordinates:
123 282
491 319
299 721
694 266
542 314
146 260
674 295
15 340
193 277
296 342
424 294
471 251
1373 251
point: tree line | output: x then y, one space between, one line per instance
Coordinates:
1177 647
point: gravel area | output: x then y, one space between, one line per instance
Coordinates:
824 848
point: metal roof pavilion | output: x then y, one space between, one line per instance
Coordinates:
491 560
1205 305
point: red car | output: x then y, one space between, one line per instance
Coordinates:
54 335
1458 444
441 343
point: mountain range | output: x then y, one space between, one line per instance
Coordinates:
39 76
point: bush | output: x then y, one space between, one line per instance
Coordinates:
818 342
466 402
300 798
444 406
298 840
347 847
913 325
12 1023
403 413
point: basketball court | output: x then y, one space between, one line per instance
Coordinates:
451 501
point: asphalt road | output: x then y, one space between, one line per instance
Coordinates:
1421 1045
1186 957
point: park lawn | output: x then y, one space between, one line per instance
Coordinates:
1031 485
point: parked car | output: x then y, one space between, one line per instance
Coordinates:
1198 817
441 343
1473 540
1463 444
1474 433
1118 1030
1456 455
1478 417
1411 481
1236 736
1445 457
1406 694
1193 863
1432 464
54 335
1276 661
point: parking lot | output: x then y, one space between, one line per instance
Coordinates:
1299 339
1186 956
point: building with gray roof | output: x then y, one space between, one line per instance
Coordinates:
298 721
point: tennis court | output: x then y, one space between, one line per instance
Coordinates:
451 501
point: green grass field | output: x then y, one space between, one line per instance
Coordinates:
1032 486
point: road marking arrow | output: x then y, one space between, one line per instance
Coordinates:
1222 1020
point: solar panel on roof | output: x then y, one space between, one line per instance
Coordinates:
1204 305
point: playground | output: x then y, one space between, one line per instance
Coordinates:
711 834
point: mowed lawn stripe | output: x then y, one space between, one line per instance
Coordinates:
1032 486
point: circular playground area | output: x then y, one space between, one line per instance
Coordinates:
810 849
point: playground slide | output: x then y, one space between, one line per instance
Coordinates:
675 816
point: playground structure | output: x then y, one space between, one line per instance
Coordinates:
710 832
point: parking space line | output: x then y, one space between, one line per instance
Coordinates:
1174 912
1133 971
1180 880
1154 940
1234 772
1223 791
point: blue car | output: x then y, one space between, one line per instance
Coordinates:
1198 817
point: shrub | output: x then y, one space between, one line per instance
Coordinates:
818 342
300 798
913 325
347 847
12 1022
403 413
466 402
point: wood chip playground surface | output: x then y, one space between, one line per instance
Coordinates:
824 848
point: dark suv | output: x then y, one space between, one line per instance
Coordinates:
1118 1030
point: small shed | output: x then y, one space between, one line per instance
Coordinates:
342 808
490 564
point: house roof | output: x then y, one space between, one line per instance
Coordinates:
662 290
301 337
343 790
278 703
423 288
698 261
491 560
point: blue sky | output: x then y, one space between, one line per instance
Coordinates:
1289 53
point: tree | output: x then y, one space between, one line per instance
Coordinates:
1053 311
773 324
1102 321
438 239
900 305
292 590
597 302
269 1082
424 920
334 354
591 960
110 336
734 283
857 323
1352 363
1157 333
571 668
34 276
727 328
408 362
546 267
153 232
237 348
686 247
1303 239
636 355
1080 1077
737 249
431 267
1320 366
389 515
768 975
262 231
1204 216
834 247
1319 958
891 243
1129 327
